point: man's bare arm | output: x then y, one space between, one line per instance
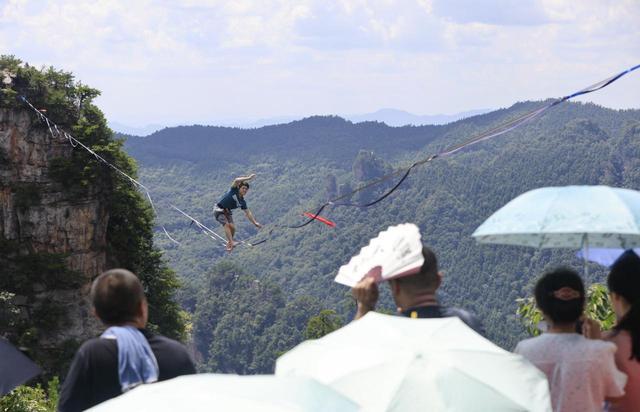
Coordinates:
240 179
366 295
251 218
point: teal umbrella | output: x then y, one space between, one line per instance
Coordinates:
579 217
231 393
396 364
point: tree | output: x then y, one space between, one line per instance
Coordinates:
325 322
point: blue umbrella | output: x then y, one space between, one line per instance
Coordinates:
579 217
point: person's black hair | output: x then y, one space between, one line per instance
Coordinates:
560 308
116 295
245 184
624 280
427 278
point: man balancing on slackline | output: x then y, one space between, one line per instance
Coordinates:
222 210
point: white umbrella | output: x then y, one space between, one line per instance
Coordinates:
567 217
230 393
389 363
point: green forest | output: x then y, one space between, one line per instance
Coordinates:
303 163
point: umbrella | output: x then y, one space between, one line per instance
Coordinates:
217 392
15 367
603 256
570 217
392 363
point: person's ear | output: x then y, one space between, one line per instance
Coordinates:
143 310
395 286
439 279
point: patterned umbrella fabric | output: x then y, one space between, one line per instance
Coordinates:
231 393
567 217
396 364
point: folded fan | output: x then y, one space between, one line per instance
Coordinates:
395 252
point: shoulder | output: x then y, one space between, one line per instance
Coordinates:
467 317
160 340
619 338
167 348
97 345
600 347
529 344
459 312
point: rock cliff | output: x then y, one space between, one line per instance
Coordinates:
52 243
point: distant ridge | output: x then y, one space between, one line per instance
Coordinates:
396 118
391 117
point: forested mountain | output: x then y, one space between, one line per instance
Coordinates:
302 163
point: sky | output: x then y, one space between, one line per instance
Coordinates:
203 61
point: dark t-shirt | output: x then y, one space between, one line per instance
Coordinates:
437 311
93 375
228 201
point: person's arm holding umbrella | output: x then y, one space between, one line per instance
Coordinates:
366 294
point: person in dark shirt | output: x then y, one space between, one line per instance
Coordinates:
414 295
105 367
222 211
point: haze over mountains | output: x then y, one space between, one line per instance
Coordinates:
391 117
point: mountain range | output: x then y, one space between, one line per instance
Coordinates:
390 117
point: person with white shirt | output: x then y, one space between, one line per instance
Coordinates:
582 372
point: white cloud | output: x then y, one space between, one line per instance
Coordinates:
205 59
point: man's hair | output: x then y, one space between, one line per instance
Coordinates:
116 295
245 184
559 307
427 278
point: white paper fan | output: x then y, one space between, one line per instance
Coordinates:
395 252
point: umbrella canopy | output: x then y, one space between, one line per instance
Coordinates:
226 393
390 363
570 216
15 367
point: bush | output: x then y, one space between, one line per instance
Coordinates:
31 399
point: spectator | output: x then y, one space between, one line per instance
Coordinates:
581 372
624 289
414 295
125 355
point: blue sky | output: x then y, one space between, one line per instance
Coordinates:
199 61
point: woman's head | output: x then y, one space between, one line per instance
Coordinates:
560 295
624 278
624 286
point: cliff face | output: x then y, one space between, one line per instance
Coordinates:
41 223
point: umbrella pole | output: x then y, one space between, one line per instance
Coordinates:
585 255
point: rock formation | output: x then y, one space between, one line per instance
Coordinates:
40 222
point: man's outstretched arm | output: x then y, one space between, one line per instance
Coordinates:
251 218
240 179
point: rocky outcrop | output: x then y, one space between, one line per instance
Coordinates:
367 166
330 187
38 218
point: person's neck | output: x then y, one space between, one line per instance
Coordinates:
562 328
421 299
135 324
